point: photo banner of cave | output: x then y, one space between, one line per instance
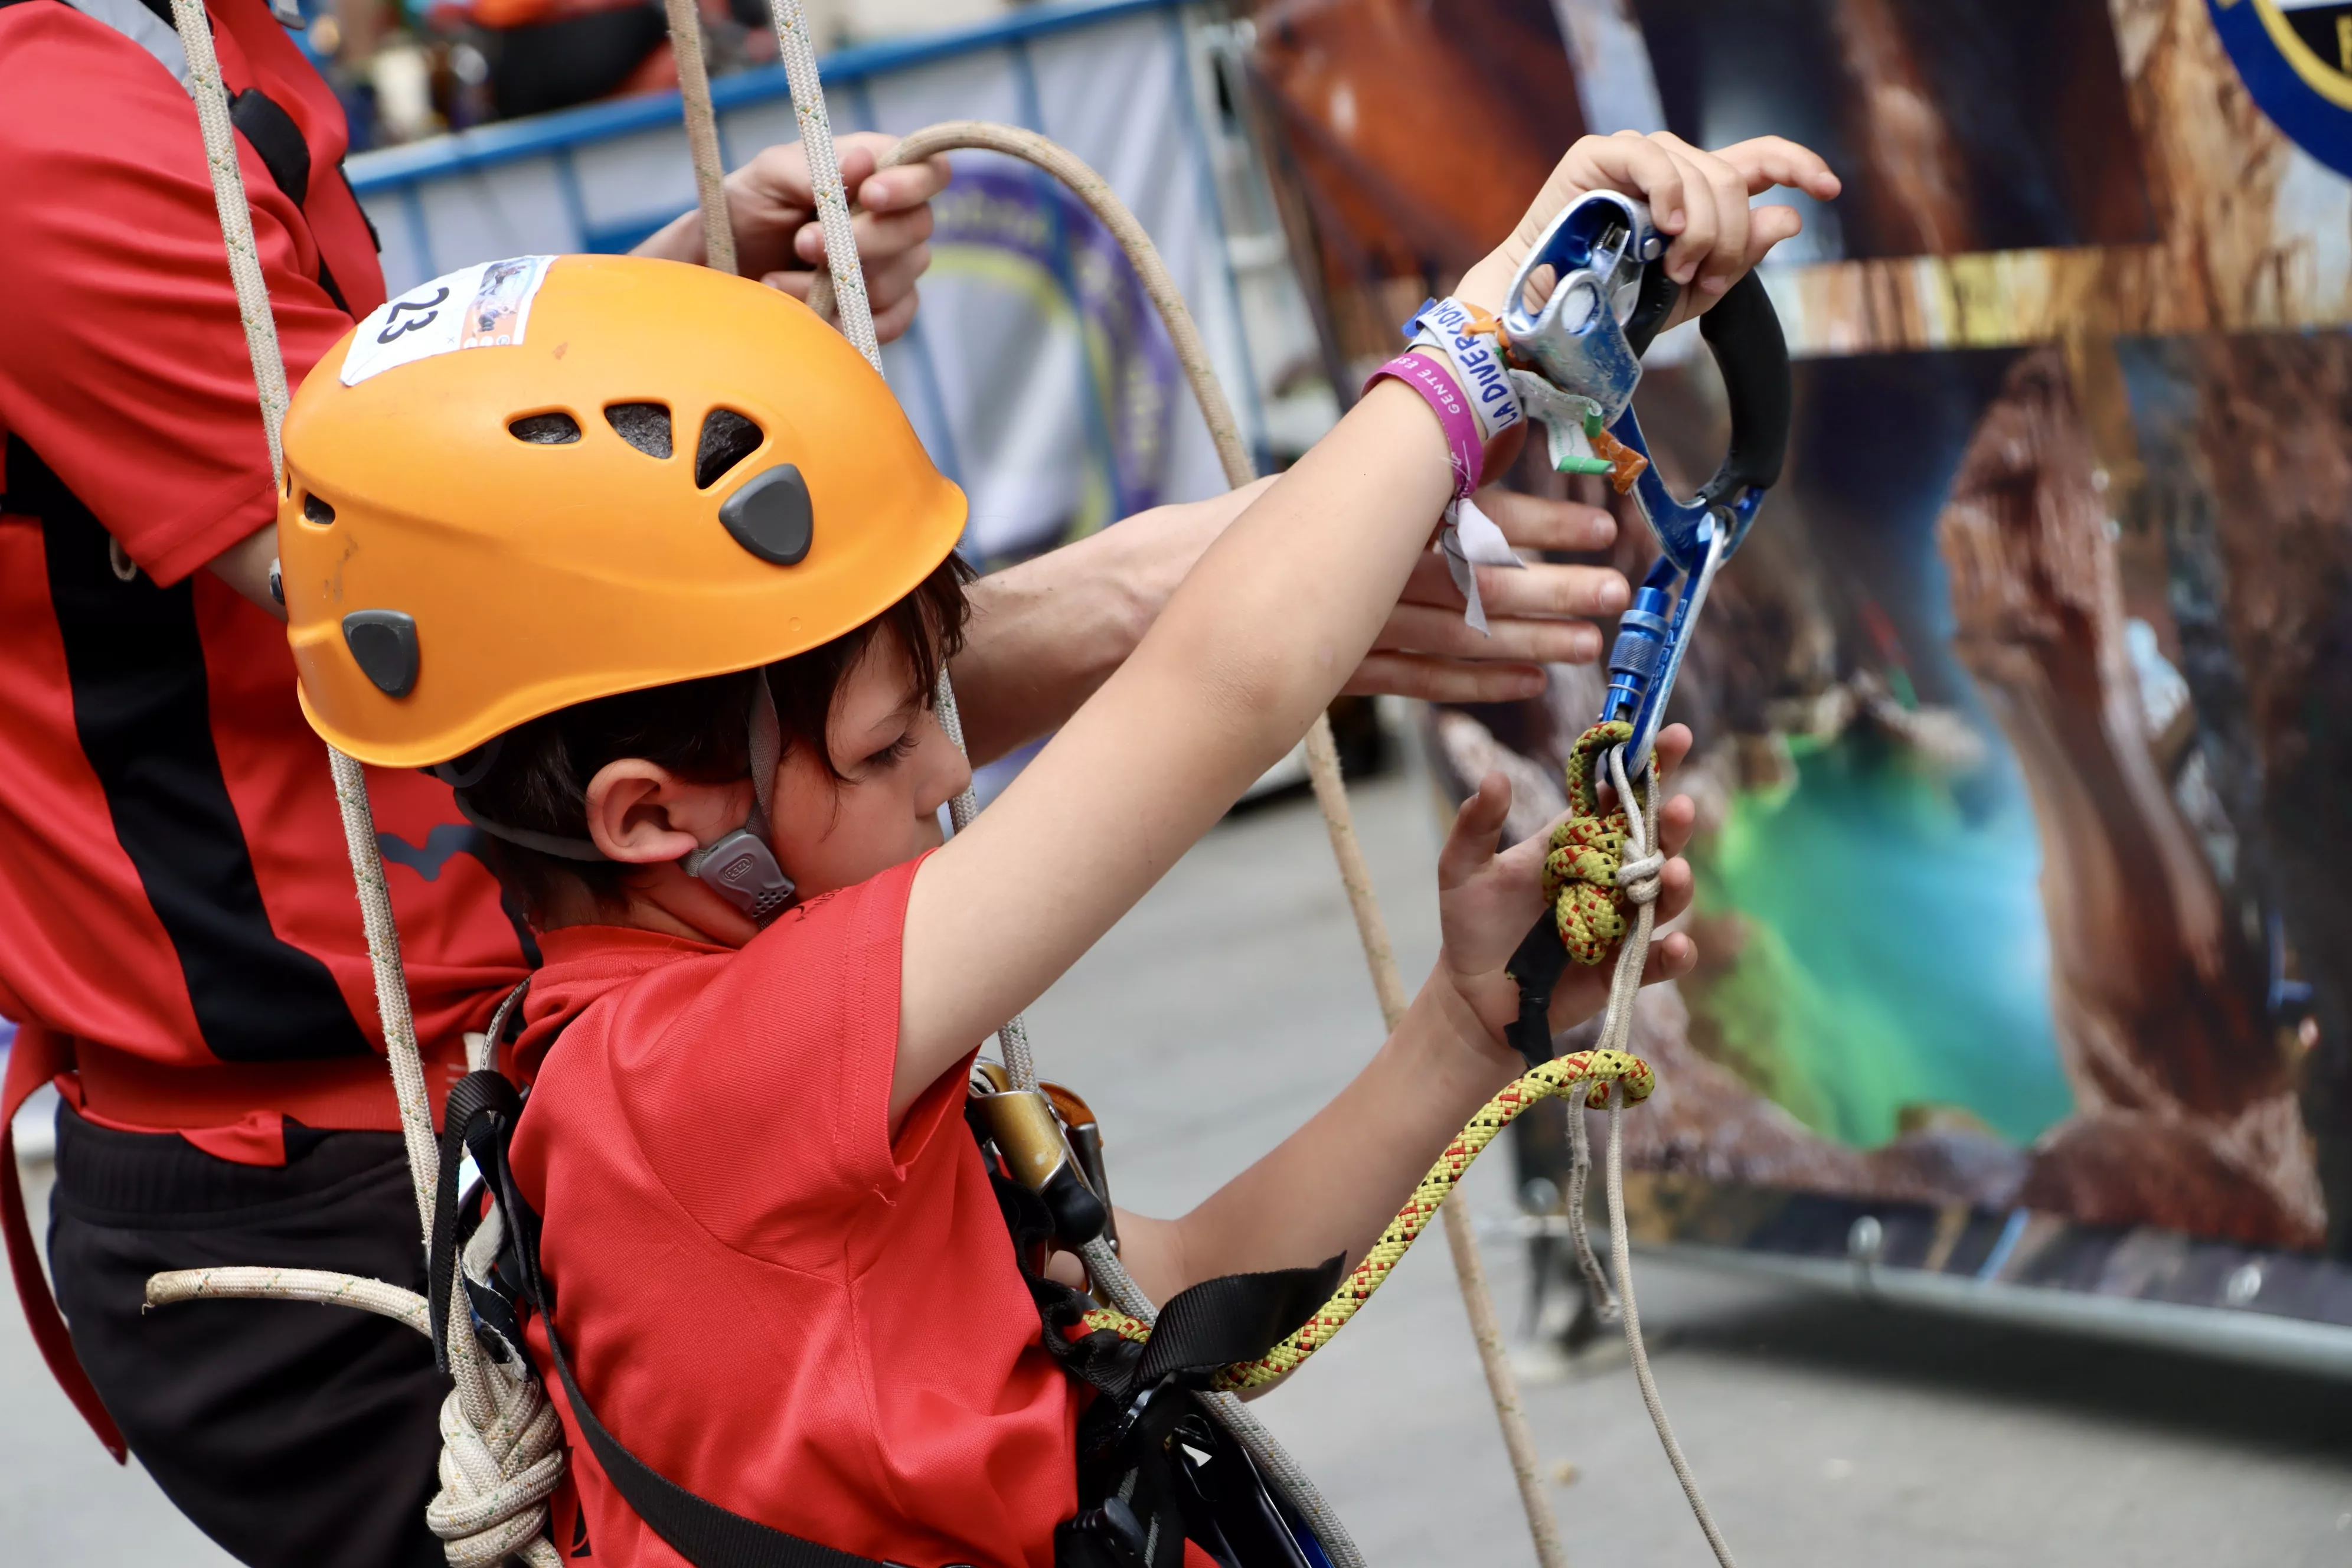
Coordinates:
2024 716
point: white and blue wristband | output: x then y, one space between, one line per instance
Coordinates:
1471 538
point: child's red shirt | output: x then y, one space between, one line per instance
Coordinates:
769 1300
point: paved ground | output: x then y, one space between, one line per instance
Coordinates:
1828 1434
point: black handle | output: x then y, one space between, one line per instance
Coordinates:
1652 306
1744 331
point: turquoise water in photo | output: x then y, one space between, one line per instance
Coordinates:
1894 952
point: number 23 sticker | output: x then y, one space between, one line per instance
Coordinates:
483 306
427 315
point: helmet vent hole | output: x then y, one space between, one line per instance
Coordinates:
316 512
546 429
726 439
645 425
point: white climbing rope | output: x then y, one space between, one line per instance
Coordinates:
1639 876
502 1447
702 135
323 1286
800 75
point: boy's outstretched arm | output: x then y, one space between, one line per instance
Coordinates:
1331 1187
1277 616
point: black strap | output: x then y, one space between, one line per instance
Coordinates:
697 1529
480 1111
1233 1318
1537 965
272 133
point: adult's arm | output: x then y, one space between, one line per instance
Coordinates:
1046 634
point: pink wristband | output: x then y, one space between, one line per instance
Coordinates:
1434 381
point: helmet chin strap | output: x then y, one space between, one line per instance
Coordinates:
740 866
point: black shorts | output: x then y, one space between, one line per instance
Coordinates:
291 1434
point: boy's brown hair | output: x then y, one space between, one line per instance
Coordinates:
699 729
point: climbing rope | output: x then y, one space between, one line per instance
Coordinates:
502 1447
1586 1075
702 136
502 1450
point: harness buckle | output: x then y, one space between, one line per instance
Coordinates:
1037 1153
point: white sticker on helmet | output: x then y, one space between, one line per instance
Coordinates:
486 306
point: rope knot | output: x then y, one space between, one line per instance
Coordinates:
495 1475
1587 879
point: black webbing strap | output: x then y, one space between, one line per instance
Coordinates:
697 1529
272 133
1233 1318
480 1111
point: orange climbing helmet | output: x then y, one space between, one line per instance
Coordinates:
539 481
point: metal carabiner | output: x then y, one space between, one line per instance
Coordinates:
1578 359
1584 346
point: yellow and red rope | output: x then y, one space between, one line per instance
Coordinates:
1590 1071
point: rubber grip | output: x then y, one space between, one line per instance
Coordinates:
1652 306
1744 331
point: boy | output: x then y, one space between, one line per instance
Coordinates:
675 641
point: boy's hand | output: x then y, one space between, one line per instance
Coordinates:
1698 197
1486 901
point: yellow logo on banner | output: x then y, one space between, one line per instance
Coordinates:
2314 38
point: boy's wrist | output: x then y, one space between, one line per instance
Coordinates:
1474 1048
1488 285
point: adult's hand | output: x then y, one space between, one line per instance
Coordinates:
1537 614
772 206
1044 633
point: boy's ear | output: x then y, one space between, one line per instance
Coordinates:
640 813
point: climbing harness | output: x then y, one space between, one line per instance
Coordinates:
1165 1369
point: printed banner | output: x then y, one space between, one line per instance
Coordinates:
2023 716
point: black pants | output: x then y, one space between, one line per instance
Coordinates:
291 1434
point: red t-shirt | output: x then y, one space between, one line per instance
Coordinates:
175 890
771 1302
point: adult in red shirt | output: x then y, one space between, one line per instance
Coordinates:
177 931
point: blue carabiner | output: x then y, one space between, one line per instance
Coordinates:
1610 296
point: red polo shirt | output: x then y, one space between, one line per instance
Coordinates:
174 893
772 1301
